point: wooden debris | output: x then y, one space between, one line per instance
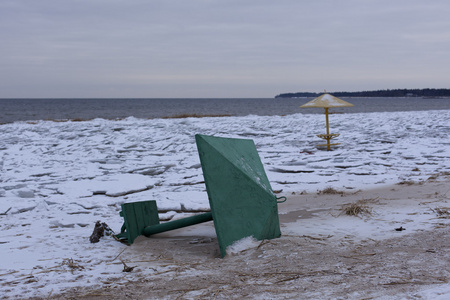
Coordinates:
4 214
126 268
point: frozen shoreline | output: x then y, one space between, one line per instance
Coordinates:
345 255
58 179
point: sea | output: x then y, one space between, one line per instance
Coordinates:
12 110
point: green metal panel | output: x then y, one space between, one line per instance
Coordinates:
241 198
136 217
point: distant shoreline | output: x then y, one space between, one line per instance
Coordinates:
407 93
114 109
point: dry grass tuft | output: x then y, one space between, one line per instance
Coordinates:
356 209
330 191
437 175
407 182
73 265
442 212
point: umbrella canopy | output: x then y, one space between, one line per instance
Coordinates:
326 100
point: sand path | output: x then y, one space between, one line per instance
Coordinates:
322 254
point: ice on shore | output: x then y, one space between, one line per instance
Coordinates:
58 178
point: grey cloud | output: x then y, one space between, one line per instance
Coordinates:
218 48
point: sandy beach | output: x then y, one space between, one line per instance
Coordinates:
323 253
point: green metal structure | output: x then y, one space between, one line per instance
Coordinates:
141 218
241 198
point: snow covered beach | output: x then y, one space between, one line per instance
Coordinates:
59 178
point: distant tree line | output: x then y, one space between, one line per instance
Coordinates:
379 93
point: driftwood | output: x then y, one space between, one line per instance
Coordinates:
126 268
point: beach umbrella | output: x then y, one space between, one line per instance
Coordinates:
326 101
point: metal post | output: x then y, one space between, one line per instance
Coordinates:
328 130
180 223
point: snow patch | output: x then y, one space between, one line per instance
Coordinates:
242 245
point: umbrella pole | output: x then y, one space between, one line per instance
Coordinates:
328 129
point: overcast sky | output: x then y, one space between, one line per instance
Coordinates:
229 48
